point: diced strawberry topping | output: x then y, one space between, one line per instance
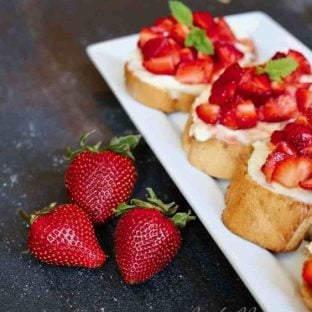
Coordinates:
146 34
209 113
307 272
304 65
270 164
163 26
161 46
226 53
290 171
186 55
281 108
286 148
308 114
203 20
307 185
246 115
194 72
179 32
224 88
278 55
224 31
300 137
228 116
258 88
304 99
306 151
160 65
278 136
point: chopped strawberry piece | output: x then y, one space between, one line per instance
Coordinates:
187 54
160 65
307 272
222 93
232 73
306 151
300 136
163 26
224 31
286 148
161 46
304 66
179 32
278 87
270 164
308 114
228 116
203 20
224 88
258 88
281 108
278 55
145 35
304 99
208 113
307 185
290 171
246 115
227 54
194 72
278 136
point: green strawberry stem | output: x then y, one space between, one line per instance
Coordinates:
179 219
121 145
30 218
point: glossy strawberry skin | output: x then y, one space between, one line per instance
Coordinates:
145 242
99 181
65 237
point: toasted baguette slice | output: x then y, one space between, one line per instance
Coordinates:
214 157
154 97
306 293
273 221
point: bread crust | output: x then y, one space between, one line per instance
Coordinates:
214 157
273 221
154 97
306 293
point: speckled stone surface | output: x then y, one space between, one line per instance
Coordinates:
49 94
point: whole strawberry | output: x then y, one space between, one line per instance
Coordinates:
99 178
64 235
147 237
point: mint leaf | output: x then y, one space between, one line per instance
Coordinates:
181 12
279 68
198 39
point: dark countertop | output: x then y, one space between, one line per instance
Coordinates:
49 94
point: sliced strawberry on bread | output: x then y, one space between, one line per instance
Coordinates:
179 55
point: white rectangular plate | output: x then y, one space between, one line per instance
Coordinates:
273 280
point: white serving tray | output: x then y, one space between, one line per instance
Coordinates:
274 280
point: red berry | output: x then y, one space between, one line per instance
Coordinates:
194 72
65 236
98 181
270 164
146 34
208 113
304 99
146 240
292 170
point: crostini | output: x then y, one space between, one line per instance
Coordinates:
269 200
179 55
244 105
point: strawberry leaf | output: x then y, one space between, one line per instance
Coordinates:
181 12
181 218
279 68
198 39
